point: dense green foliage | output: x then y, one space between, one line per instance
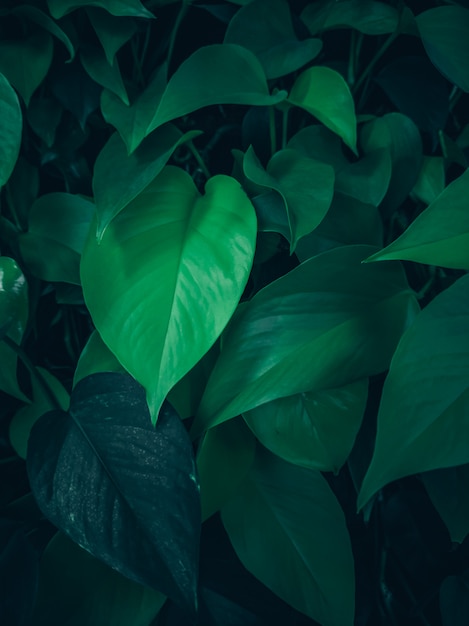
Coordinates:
234 312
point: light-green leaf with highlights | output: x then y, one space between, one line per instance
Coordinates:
10 129
119 177
288 529
168 274
315 430
133 8
439 235
324 93
325 324
424 411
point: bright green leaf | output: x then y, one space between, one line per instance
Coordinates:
168 274
424 412
224 458
367 16
76 589
119 177
288 529
102 72
439 235
94 358
100 473
216 74
10 129
59 223
445 35
323 325
44 21
133 8
315 430
25 62
324 93
112 32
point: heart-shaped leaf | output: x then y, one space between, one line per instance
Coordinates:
288 529
324 93
134 8
135 171
10 129
424 412
367 16
325 324
122 489
168 274
439 235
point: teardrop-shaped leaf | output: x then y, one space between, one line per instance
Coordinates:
134 8
95 357
424 412
367 16
315 430
35 53
224 458
59 223
44 21
215 74
366 180
445 35
122 489
111 31
439 235
10 129
265 27
325 324
135 171
168 274
102 72
75 589
324 93
288 529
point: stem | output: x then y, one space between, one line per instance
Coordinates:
369 68
180 16
35 373
352 58
199 159
285 127
137 67
272 131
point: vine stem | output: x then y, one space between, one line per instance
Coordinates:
199 159
272 131
180 16
33 370
369 68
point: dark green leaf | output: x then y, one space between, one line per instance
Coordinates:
44 21
94 358
10 129
44 115
319 143
272 214
431 180
119 177
439 235
288 529
22 190
423 415
34 53
102 72
112 32
168 274
77 589
324 93
59 223
445 35
367 16
133 8
122 489
366 180
325 324
454 600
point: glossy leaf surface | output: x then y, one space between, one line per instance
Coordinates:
424 406
315 430
134 8
10 129
367 16
325 324
119 487
439 235
167 275
324 93
288 529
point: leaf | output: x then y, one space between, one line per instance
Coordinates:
324 93
133 8
431 180
42 402
366 180
44 21
44 115
168 274
75 589
315 430
439 235
445 35
325 324
94 358
10 129
306 186
319 143
424 413
111 31
224 458
398 134
288 529
120 488
102 72
447 488
454 600
265 27
215 74
136 171
59 223
366 16
35 53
